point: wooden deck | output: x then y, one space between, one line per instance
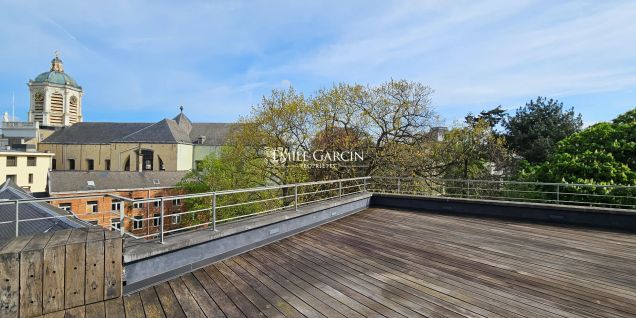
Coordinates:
406 264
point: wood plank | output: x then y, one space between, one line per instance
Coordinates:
284 304
261 303
112 267
94 289
31 275
152 306
225 303
96 310
54 260
207 304
57 314
10 276
188 303
133 306
75 269
114 308
169 302
239 299
77 312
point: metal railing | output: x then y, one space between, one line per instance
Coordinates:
591 195
160 216
207 210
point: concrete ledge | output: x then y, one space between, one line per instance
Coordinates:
615 219
150 263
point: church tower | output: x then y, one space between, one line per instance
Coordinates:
55 97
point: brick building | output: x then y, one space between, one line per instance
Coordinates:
90 190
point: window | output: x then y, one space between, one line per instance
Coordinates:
115 205
90 164
53 164
138 205
127 164
176 219
12 177
138 223
162 167
12 161
30 178
31 161
176 202
91 207
71 164
65 206
157 204
115 223
107 164
156 221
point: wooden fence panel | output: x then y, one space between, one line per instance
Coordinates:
10 276
31 276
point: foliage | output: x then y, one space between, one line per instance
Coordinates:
604 154
473 152
537 127
493 117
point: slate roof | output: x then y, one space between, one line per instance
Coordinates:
179 130
215 133
166 131
78 181
94 133
11 191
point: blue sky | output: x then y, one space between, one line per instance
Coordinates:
138 60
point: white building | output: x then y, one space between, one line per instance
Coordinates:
29 170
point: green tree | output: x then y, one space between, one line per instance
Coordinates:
537 127
603 153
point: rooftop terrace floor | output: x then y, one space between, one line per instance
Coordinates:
393 263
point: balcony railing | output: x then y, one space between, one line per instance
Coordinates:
155 218
590 195
200 210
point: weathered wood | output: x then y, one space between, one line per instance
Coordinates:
95 310
152 306
53 284
114 308
133 306
57 314
112 266
94 290
77 312
187 301
75 269
168 301
31 275
10 276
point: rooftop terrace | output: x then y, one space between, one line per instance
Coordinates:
399 263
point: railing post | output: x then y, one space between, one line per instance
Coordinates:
214 211
17 218
468 188
339 189
558 193
296 198
399 186
122 208
161 220
364 184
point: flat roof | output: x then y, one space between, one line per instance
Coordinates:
383 262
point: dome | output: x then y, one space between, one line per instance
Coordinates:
56 75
